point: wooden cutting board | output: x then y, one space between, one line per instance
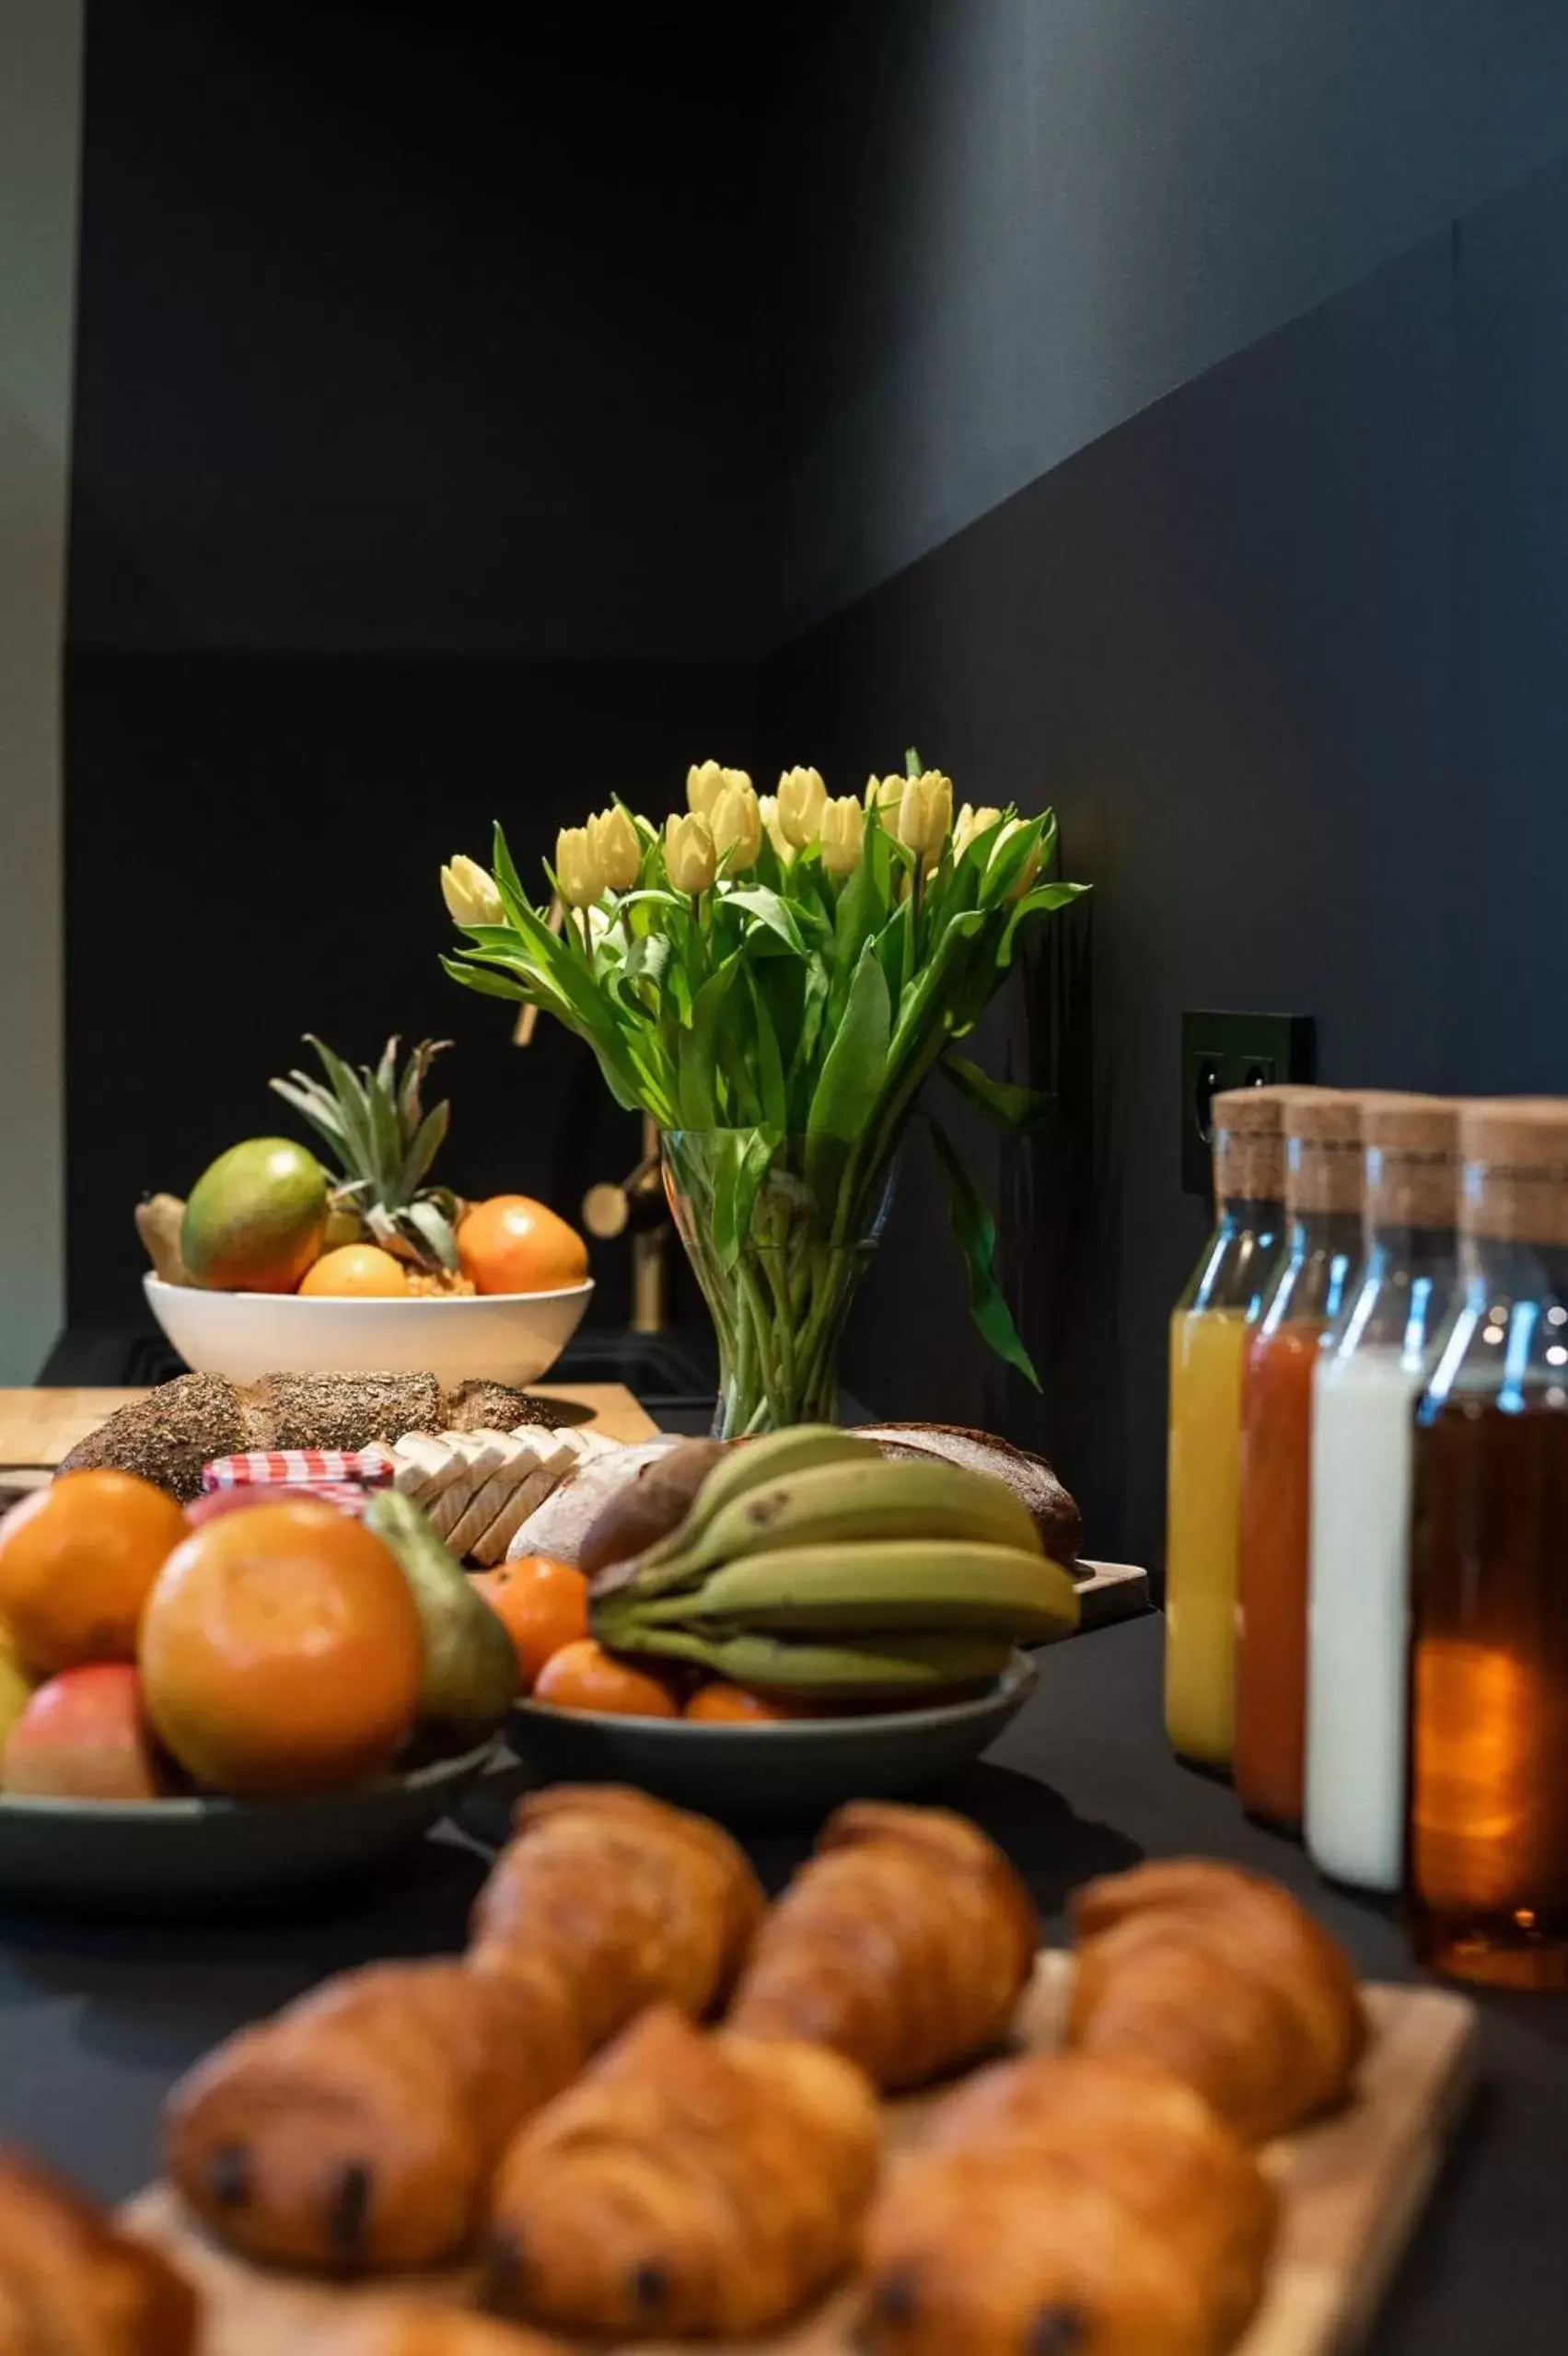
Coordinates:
1354 2187
39 1427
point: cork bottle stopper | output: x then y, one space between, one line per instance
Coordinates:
1323 1157
1250 1147
1413 1160
1515 1168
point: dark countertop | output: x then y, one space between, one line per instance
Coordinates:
97 2019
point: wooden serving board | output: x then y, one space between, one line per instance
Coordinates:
1353 2188
38 1427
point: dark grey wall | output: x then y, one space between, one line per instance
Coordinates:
441 398
1285 649
415 485
1021 220
415 327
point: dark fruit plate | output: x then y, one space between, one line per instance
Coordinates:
790 1773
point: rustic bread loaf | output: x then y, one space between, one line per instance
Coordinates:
170 1434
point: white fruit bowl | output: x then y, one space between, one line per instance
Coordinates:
492 1337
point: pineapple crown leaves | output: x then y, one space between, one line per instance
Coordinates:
375 1122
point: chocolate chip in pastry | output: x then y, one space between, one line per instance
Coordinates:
688 2184
358 2129
1068 2205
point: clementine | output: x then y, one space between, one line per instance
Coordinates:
583 1675
542 1605
512 1244
355 1272
77 1562
281 1652
719 1704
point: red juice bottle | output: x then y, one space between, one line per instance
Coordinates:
1323 1250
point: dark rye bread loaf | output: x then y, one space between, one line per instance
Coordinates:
1055 1512
170 1434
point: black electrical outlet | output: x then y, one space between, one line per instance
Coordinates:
1221 1052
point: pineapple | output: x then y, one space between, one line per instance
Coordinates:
384 1143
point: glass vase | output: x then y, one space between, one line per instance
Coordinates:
779 1232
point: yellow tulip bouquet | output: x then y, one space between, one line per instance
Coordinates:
772 978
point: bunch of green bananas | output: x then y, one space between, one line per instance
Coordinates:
811 1564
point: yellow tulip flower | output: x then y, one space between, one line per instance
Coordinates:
689 858
768 804
469 894
970 822
843 834
577 868
925 813
617 848
736 823
801 797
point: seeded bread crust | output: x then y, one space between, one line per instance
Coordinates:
1055 1511
170 1434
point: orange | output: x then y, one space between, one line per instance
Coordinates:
281 1652
77 1562
583 1675
512 1244
356 1273
542 1605
735 1705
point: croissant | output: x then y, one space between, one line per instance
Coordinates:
408 2327
631 1902
689 2183
359 2129
1068 2203
904 1942
1221 1977
71 2285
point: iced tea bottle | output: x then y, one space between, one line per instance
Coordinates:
1208 1340
1323 1253
1487 1847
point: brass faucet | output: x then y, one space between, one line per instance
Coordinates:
638 1204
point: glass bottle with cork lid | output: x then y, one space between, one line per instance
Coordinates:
1323 1256
1208 1342
1487 1855
1374 1360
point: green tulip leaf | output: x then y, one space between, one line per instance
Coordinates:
976 1231
852 1070
1018 1110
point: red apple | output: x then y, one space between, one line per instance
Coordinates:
85 1735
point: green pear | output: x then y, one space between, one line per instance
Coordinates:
471 1665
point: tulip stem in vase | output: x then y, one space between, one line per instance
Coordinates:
771 980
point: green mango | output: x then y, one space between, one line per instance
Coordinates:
471 1676
256 1218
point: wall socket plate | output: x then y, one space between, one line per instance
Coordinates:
1221 1052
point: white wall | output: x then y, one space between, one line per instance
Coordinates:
41 44
1020 221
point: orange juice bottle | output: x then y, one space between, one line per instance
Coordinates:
1209 1334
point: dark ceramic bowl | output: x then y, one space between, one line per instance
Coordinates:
123 1855
792 1772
